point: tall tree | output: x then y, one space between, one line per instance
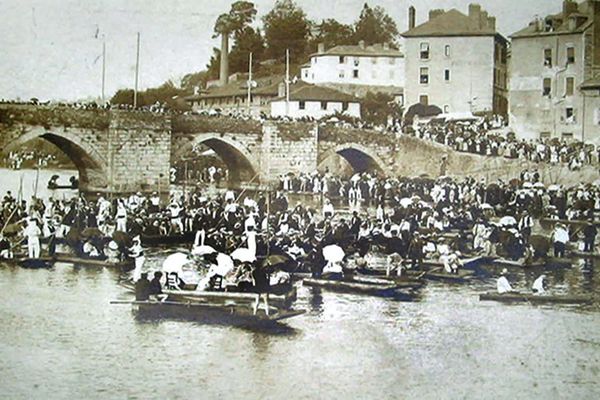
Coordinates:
240 15
247 41
332 33
286 27
375 26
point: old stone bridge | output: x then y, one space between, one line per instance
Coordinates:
124 151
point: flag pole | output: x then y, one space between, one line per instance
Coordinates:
250 83
287 82
137 71
103 68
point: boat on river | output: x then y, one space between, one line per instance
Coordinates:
516 297
583 254
549 261
281 299
358 285
229 313
30 263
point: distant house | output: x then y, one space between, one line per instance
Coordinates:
357 69
314 101
457 62
555 75
233 97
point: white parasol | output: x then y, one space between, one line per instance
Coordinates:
507 221
333 253
175 262
243 254
203 250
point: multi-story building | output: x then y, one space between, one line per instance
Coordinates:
456 62
554 63
357 69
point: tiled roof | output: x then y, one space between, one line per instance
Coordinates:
560 26
267 86
302 91
591 84
376 50
450 23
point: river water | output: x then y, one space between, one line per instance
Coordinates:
61 339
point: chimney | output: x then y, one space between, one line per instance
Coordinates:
483 19
281 89
475 14
492 23
569 7
321 48
386 46
361 44
435 13
412 17
224 67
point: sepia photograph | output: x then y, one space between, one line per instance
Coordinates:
299 199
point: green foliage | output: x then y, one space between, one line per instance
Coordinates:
332 33
247 41
49 117
286 27
191 80
240 15
375 26
377 107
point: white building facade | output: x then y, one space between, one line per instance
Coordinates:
457 63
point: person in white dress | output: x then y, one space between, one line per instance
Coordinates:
502 284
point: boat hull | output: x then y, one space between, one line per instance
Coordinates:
535 299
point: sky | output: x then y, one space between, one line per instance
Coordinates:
51 49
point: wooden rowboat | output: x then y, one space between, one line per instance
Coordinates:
582 254
550 261
514 297
210 312
372 287
30 263
93 262
221 297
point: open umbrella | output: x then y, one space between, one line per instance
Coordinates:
203 250
539 185
405 202
224 264
507 221
333 253
243 254
527 185
175 262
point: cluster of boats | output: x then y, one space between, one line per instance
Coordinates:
240 307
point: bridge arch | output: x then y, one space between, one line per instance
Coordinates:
359 157
90 164
242 165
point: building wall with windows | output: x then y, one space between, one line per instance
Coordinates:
314 109
454 73
385 67
546 72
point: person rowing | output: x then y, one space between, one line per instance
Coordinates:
538 285
502 284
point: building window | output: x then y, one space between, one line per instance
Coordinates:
447 50
374 60
302 105
567 135
424 99
355 73
569 86
545 135
344 106
342 59
570 55
356 61
342 74
446 109
548 58
546 87
447 75
570 115
306 74
424 75
424 51
323 105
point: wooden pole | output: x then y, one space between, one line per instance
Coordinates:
137 72
103 69
250 84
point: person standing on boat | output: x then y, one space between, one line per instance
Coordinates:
560 237
137 253
589 237
260 281
538 285
502 284
33 233
525 225
121 216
